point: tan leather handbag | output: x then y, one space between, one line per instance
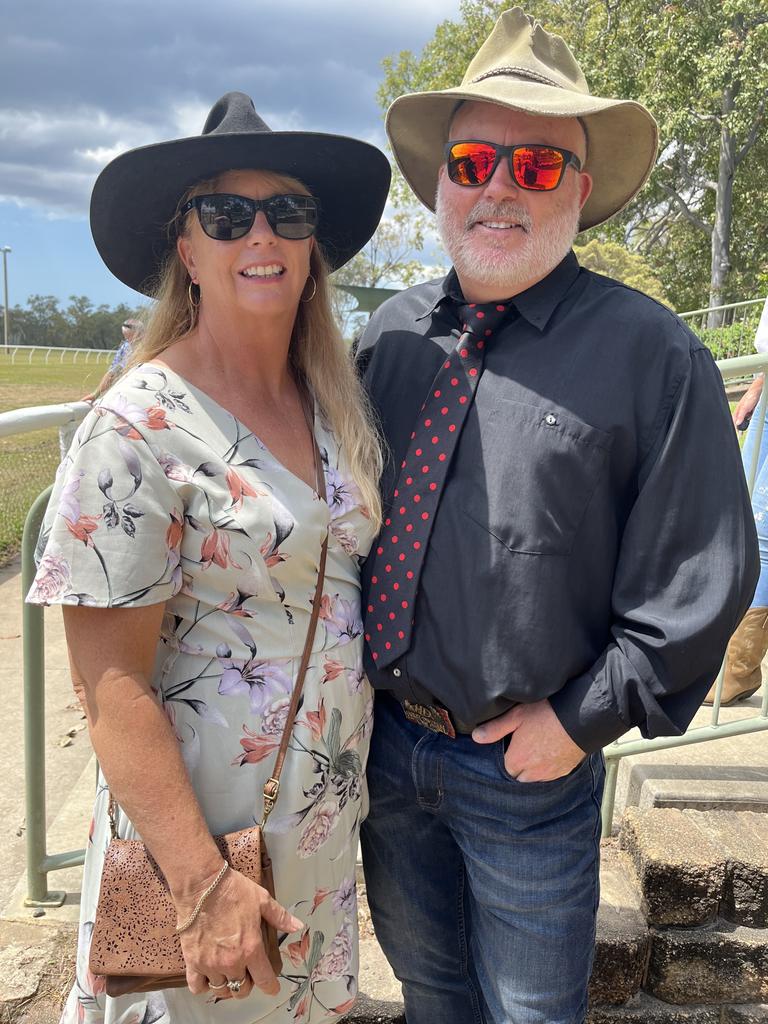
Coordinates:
134 944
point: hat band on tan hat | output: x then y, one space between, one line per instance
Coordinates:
524 68
518 73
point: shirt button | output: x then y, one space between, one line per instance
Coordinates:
550 419
396 672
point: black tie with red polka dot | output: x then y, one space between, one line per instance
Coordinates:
402 545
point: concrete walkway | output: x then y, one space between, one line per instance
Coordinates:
729 772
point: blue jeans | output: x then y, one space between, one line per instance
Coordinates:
483 890
759 502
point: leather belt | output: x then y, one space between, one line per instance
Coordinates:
436 718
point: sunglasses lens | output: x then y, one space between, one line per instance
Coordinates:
537 167
292 216
471 163
225 217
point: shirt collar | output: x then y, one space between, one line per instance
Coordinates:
536 304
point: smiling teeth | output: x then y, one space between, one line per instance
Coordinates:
275 270
498 224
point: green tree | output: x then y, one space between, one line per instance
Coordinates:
44 322
388 260
80 325
702 69
616 261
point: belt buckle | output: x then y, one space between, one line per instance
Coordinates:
430 717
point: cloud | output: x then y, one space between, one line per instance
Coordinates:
81 83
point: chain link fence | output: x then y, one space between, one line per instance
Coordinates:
27 465
35 377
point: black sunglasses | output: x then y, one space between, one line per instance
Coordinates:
472 162
226 217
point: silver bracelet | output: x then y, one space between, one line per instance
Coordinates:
199 905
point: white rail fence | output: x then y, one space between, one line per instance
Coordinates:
65 355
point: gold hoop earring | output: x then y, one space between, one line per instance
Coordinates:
190 296
314 290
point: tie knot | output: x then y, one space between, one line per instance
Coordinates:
482 318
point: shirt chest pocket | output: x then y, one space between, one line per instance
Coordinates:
538 470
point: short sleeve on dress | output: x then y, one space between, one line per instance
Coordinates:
111 536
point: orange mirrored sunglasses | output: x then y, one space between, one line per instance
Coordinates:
472 162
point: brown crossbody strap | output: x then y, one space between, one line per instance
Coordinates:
272 785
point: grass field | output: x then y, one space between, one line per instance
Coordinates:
28 461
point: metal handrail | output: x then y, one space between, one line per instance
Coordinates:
718 309
40 863
38 417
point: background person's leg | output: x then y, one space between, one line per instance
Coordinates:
414 873
759 502
749 643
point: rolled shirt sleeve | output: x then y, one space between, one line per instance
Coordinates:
686 572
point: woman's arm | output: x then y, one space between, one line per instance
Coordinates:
112 653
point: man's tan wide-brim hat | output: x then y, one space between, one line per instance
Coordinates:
525 68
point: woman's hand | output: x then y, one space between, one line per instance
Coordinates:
748 402
224 943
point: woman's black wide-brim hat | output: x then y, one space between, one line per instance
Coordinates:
137 195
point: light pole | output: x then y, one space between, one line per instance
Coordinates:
5 250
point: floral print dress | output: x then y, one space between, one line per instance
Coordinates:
166 497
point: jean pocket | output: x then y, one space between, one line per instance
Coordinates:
501 748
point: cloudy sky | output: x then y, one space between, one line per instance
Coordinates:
83 81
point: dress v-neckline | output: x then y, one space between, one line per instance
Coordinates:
200 393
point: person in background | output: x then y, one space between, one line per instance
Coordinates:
749 644
132 330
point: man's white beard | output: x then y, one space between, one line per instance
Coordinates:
495 265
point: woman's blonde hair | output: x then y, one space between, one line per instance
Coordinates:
317 351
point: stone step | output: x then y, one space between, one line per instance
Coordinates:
746 1014
621 949
681 873
701 787
742 839
644 1009
724 963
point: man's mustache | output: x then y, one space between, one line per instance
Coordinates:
507 210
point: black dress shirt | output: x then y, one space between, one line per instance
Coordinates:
594 542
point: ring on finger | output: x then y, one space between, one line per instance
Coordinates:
235 986
224 984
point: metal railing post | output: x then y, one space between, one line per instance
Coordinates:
34 719
609 795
